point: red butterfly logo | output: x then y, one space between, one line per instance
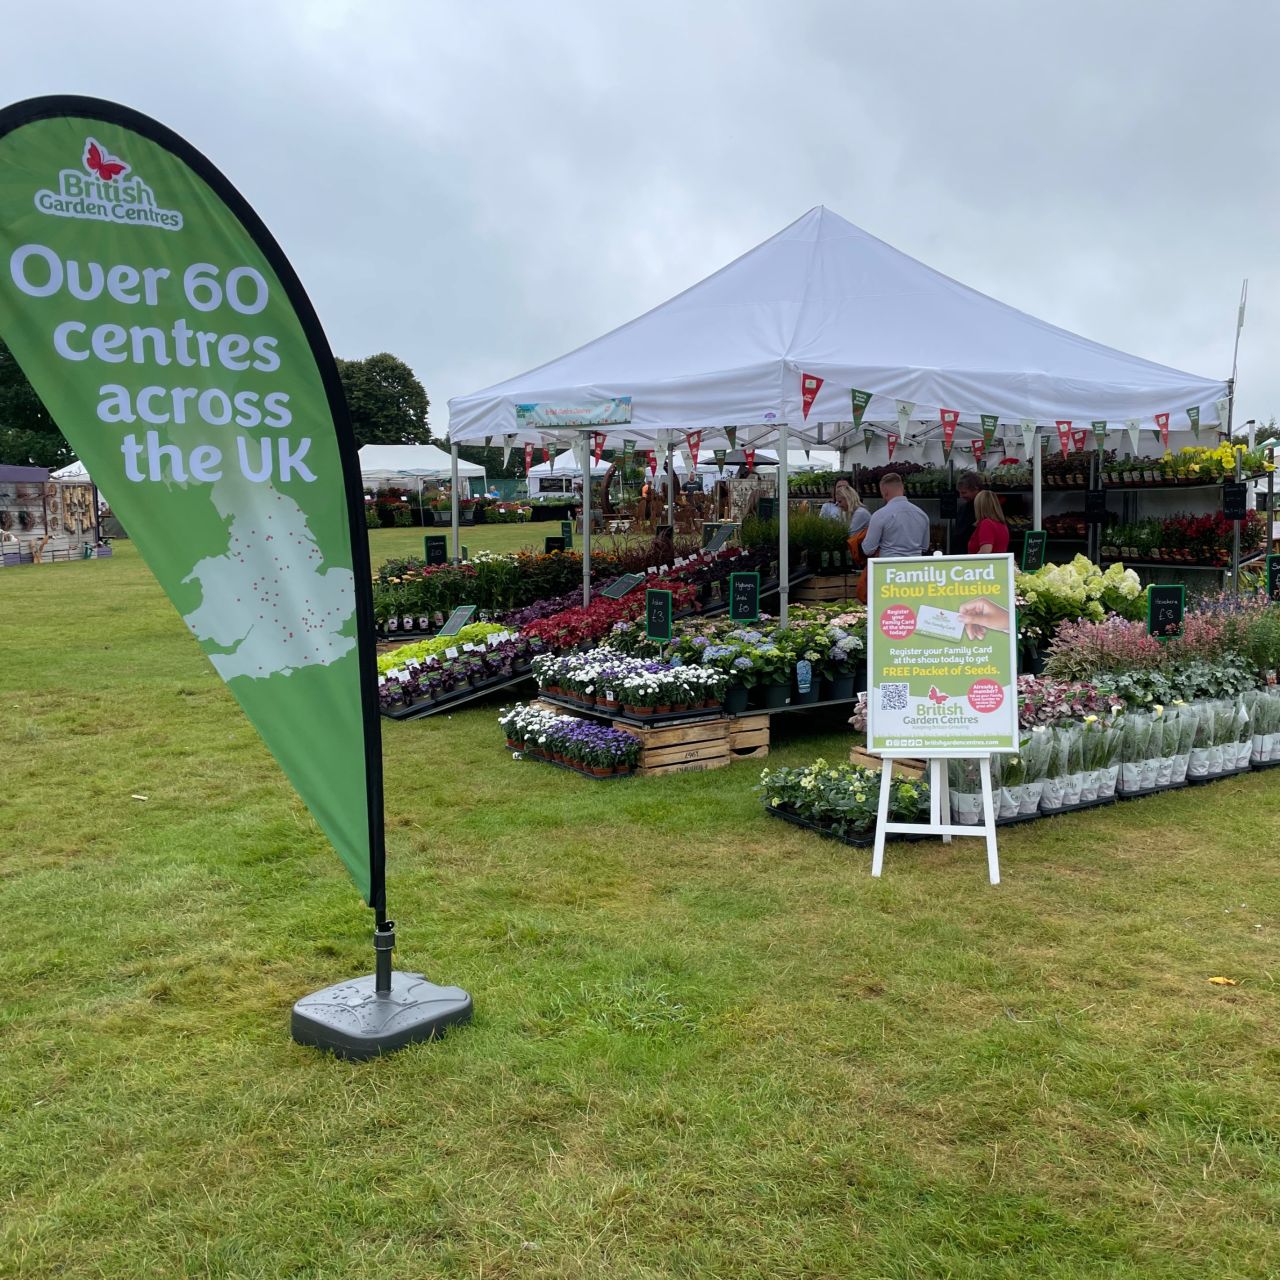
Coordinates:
101 163
935 696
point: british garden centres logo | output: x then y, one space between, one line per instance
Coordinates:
105 189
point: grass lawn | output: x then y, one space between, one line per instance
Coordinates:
706 1043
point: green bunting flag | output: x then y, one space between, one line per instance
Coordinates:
860 401
172 343
720 455
1100 434
628 449
989 423
1193 416
732 434
867 436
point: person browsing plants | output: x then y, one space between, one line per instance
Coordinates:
991 531
897 529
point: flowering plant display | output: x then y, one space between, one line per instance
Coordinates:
609 678
437 677
472 633
841 798
1058 593
542 734
1186 539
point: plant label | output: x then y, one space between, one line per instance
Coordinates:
657 614
1033 549
744 597
1165 608
458 619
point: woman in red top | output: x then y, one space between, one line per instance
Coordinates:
991 534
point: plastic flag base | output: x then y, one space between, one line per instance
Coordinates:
353 1020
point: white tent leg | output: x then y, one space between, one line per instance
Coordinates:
1036 455
784 549
453 504
886 780
671 488
989 820
585 459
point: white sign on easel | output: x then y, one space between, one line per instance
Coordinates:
942 681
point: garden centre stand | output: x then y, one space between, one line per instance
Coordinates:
939 812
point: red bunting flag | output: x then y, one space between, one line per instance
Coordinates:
1064 436
1162 422
653 462
892 440
810 385
950 419
979 449
694 440
528 458
597 440
750 456
1078 439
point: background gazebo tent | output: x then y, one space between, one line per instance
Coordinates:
824 300
389 463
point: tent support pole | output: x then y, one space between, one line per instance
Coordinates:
584 460
453 469
671 490
1035 482
784 548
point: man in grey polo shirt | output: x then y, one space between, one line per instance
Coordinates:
898 528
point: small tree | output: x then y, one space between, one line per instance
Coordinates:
387 402
29 437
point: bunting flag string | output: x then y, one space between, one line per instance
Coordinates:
1162 426
950 419
1028 436
810 385
1223 407
990 422
1064 435
860 401
694 440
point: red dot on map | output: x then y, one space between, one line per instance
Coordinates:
898 621
986 696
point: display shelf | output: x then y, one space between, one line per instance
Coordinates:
1181 564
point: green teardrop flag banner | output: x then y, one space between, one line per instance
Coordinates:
168 336
990 422
860 401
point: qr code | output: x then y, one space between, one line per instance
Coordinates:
893 697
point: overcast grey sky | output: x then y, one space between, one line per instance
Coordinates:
479 187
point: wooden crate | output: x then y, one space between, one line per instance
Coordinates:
869 760
826 589
681 748
749 737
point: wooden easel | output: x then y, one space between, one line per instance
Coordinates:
939 823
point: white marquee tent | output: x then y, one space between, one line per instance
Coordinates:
387 463
823 300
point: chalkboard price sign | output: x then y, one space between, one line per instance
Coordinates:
723 532
1235 497
1273 577
566 532
552 544
949 504
657 614
628 582
1165 607
458 619
709 531
744 597
436 548
1033 549
664 533
767 508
